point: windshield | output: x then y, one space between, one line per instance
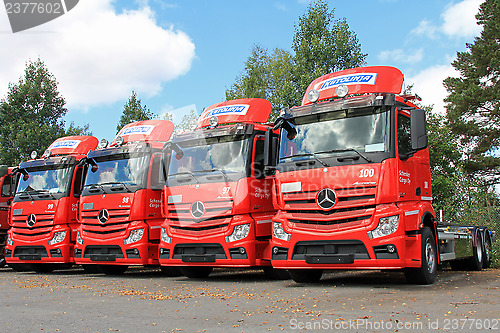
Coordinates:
49 182
128 173
360 131
226 156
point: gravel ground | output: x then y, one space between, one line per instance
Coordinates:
142 300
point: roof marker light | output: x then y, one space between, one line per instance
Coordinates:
46 154
119 140
213 121
342 90
34 155
313 95
103 143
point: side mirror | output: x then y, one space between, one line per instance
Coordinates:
418 131
169 146
288 126
270 149
3 170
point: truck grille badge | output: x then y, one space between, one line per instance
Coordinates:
103 216
31 220
326 198
197 209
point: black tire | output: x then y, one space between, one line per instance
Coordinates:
2 262
306 275
427 272
196 272
457 265
475 263
20 267
170 271
487 251
112 269
91 269
276 274
43 268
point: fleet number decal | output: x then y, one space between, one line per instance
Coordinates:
366 173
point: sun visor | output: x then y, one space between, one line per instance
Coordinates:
374 79
145 131
248 110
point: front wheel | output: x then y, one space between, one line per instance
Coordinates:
2 262
306 275
427 272
112 269
170 271
43 268
196 272
276 274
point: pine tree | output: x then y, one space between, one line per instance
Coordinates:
133 111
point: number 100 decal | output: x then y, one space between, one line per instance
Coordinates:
26 14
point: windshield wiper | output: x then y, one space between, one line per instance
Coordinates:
44 193
92 186
185 173
215 169
345 150
25 192
117 183
308 154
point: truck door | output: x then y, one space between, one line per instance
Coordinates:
6 187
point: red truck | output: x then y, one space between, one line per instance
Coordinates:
7 189
120 206
43 214
218 201
353 184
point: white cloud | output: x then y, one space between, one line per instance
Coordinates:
428 84
97 55
458 20
401 56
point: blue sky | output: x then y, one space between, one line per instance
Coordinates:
180 55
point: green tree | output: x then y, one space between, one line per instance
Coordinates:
133 111
187 121
31 115
321 45
473 103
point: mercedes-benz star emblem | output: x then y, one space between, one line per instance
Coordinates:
31 220
197 209
103 216
326 198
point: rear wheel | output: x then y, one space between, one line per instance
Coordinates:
306 275
475 263
196 272
112 269
276 274
487 251
170 271
427 272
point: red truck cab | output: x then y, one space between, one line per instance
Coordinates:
120 206
218 201
7 190
353 182
44 210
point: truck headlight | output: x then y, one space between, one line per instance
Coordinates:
58 237
386 226
135 236
239 232
9 240
279 232
164 236
79 239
